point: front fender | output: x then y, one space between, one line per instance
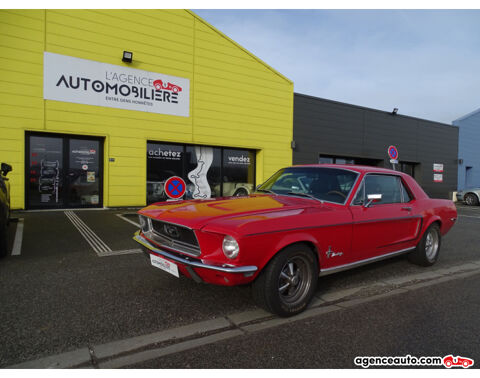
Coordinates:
301 237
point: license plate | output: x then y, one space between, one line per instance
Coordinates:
165 265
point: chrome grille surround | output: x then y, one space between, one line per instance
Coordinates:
154 233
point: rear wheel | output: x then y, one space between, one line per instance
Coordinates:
427 251
288 282
471 199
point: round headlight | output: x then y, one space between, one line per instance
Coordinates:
230 247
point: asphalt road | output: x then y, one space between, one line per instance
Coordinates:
60 295
438 320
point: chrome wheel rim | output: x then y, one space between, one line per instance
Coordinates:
431 244
469 199
295 280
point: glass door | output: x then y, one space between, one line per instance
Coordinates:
63 171
45 172
84 173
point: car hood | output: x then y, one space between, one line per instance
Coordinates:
231 211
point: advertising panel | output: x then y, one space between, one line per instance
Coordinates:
82 81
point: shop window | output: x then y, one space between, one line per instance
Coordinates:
408 168
163 161
208 171
331 159
238 172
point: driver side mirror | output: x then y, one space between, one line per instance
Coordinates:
5 168
372 198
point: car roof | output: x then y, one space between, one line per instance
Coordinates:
352 167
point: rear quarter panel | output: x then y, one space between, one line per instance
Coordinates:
431 209
438 210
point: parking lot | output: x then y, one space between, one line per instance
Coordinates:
76 287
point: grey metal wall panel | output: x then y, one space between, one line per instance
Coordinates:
323 126
469 151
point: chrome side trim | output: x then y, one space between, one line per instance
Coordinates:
145 243
340 268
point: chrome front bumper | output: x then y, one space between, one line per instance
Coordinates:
247 270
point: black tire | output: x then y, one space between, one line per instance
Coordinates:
296 266
471 199
3 241
240 193
427 251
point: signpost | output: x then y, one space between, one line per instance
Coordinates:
393 154
175 187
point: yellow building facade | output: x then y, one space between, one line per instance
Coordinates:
234 100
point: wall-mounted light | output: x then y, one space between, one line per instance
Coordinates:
395 111
293 144
127 57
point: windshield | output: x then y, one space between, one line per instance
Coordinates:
325 184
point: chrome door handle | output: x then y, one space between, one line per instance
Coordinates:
407 208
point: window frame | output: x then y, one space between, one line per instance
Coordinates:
361 186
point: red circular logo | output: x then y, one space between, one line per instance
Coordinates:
392 152
175 187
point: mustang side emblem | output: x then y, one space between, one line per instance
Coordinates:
331 253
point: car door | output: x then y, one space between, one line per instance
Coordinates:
388 225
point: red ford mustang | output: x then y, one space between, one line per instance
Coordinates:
303 222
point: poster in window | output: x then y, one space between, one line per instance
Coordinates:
238 172
163 161
203 172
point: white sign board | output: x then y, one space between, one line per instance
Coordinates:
437 167
82 81
437 177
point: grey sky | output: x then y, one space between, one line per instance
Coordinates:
426 63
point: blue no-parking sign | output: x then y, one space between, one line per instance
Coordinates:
392 152
175 187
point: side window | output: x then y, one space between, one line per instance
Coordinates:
387 186
405 194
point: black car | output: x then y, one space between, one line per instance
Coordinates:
4 207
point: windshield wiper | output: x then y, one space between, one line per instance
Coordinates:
305 195
266 191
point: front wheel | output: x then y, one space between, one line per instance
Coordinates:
288 282
427 251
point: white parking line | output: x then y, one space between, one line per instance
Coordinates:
97 244
123 252
91 237
469 216
128 220
17 242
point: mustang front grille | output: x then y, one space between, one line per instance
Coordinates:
179 238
